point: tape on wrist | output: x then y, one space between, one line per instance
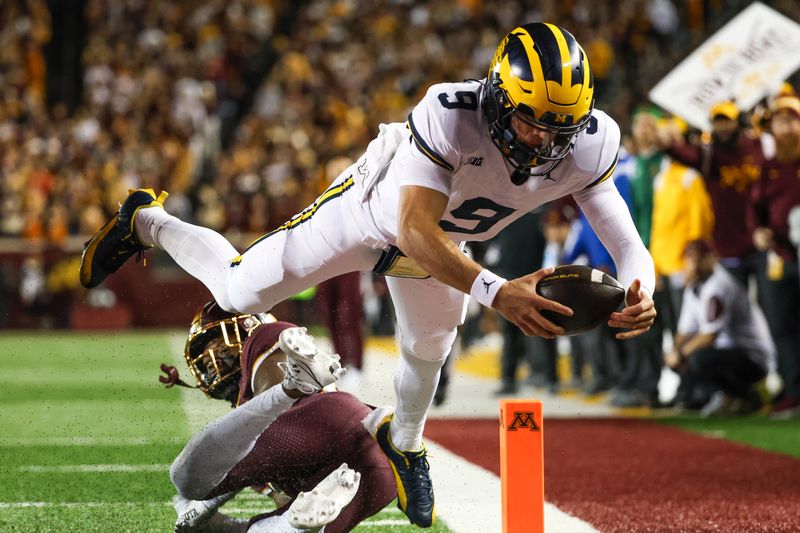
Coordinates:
485 287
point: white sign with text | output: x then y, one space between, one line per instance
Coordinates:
746 60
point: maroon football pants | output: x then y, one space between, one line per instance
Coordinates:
307 443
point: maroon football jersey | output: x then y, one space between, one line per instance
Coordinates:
776 193
729 173
308 441
263 340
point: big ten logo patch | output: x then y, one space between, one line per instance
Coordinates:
475 161
523 419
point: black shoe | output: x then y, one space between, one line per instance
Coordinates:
412 475
116 242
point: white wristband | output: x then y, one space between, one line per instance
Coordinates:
485 287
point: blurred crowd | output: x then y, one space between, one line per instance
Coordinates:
244 110
159 79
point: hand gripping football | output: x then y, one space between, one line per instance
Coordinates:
591 294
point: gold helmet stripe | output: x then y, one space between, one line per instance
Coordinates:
564 93
566 59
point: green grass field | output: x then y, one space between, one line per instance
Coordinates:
782 436
87 434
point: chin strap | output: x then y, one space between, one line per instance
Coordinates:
172 378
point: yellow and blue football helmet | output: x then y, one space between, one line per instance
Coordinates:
541 76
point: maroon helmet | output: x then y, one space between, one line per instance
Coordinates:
214 349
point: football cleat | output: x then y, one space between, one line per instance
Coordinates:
412 475
192 514
307 369
310 511
116 242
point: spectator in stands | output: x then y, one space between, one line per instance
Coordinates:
723 343
682 212
647 157
774 196
644 356
729 160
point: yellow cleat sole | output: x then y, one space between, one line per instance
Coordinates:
87 258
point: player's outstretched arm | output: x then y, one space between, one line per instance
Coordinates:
420 237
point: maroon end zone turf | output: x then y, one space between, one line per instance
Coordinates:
635 475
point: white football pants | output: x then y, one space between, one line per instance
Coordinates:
333 236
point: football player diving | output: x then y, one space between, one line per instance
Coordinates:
471 158
311 450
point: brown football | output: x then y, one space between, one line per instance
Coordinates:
591 294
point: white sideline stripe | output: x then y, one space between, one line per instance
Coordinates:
459 502
252 495
382 523
88 441
467 510
70 505
38 469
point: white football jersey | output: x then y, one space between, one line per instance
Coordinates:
448 149
722 306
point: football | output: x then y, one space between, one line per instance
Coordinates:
591 294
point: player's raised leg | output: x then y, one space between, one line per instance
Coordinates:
428 313
323 241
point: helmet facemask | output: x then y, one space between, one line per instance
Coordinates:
213 353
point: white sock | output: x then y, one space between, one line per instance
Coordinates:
415 383
202 252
